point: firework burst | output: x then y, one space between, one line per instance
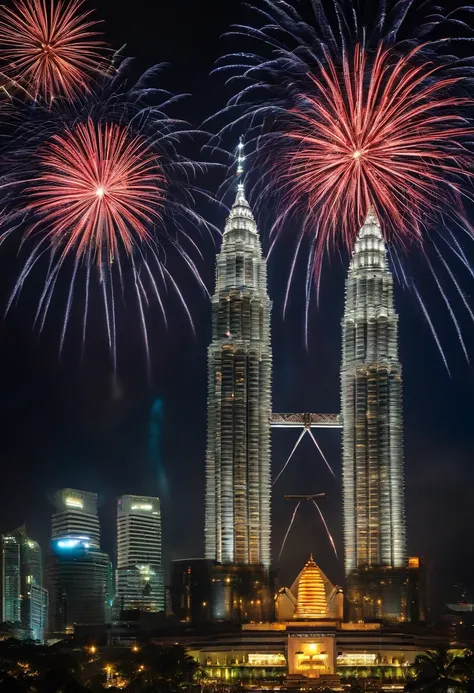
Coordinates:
49 48
401 145
98 189
346 113
103 202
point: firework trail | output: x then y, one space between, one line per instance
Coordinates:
326 528
49 48
290 456
289 527
318 447
99 187
300 438
344 114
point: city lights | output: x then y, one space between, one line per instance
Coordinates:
74 503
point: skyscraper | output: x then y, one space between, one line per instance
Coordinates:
11 576
77 570
78 575
76 514
24 599
139 583
237 523
373 479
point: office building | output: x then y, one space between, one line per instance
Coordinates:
76 515
139 577
373 479
24 599
78 578
11 578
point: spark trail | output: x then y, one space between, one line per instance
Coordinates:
289 527
300 437
326 527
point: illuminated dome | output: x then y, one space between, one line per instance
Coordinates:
312 600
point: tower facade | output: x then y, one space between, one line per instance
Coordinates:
237 523
373 479
76 514
78 584
24 598
139 578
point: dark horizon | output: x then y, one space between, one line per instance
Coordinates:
72 422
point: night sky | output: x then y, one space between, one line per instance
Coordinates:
71 422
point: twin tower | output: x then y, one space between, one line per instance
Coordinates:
238 464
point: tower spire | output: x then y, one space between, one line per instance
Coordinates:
240 158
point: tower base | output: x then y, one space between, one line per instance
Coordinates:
384 595
242 593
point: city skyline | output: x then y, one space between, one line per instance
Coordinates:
88 428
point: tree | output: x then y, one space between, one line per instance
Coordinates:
438 671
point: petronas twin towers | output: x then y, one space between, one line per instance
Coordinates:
372 465
371 384
237 526
238 473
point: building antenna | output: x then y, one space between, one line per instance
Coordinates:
240 158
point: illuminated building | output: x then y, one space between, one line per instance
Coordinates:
290 653
373 479
24 599
237 527
139 577
76 514
311 597
78 578
237 521
312 600
11 589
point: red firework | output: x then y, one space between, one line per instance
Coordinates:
98 190
385 133
48 48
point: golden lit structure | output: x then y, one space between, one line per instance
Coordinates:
312 602
311 597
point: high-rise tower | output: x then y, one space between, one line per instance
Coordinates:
139 579
239 404
24 598
373 485
76 514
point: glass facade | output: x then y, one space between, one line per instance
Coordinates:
139 577
24 599
371 386
78 576
11 603
237 522
38 612
76 514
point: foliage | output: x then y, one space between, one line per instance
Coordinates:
29 668
442 671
